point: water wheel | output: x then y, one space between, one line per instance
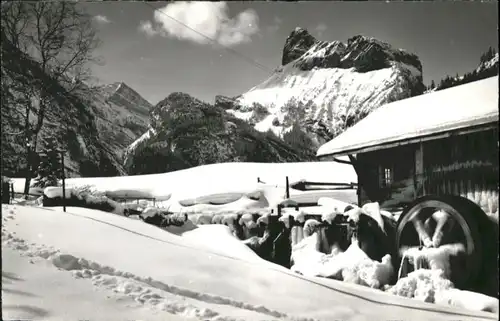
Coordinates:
445 222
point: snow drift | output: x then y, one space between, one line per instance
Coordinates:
225 187
189 274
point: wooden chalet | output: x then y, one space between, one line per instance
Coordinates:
444 142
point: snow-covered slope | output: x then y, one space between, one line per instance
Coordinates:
121 94
490 64
86 264
130 149
328 86
186 132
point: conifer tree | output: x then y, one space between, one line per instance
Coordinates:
49 168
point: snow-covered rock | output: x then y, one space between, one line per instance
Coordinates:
328 86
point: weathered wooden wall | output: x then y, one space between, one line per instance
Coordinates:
401 161
465 165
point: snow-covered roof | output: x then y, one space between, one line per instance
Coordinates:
427 115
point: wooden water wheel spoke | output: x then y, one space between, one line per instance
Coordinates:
446 233
422 231
441 218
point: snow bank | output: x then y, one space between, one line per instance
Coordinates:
132 193
220 239
353 265
433 286
84 196
53 192
220 187
186 274
467 300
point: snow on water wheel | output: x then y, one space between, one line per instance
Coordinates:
446 220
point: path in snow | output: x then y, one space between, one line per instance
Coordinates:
33 289
134 293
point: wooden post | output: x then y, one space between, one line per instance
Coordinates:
419 170
361 177
63 181
287 188
28 171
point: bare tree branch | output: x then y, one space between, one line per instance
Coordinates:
61 39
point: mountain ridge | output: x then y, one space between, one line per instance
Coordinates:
81 120
488 67
123 115
186 132
326 87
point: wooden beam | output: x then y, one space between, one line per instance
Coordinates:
341 161
419 168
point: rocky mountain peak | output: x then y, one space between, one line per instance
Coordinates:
361 52
175 100
297 43
361 49
177 104
326 86
121 94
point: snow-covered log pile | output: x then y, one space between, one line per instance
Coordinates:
363 256
364 265
161 218
83 196
311 257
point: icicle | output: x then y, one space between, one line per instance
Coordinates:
300 233
463 191
470 191
403 267
477 194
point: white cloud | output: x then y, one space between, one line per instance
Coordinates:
320 28
102 19
208 18
147 28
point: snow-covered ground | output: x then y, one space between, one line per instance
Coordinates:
232 183
88 264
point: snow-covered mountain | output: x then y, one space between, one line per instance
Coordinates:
93 124
490 64
185 132
122 115
121 94
326 87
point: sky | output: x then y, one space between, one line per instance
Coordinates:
156 55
